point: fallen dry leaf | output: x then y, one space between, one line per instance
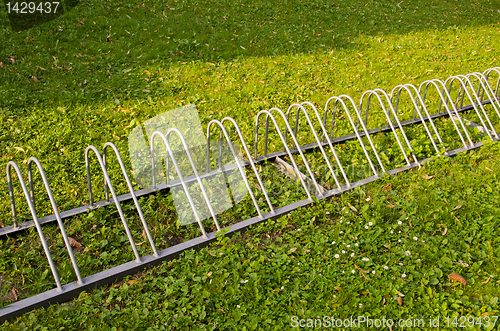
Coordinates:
14 293
35 79
209 274
338 288
486 281
365 271
74 243
457 278
457 207
400 300
427 176
12 60
293 249
445 230
133 281
222 311
489 169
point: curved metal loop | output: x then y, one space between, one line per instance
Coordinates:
463 86
181 178
54 208
115 198
297 171
266 137
222 129
405 87
485 86
434 82
294 137
339 99
388 117
325 134
250 159
132 192
299 108
10 165
325 115
487 74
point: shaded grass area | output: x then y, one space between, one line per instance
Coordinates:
408 231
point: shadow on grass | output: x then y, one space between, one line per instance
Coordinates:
81 56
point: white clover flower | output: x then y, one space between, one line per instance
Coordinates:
328 213
238 306
418 260
366 227
352 255
282 287
399 222
399 240
343 271
392 232
348 222
367 199
298 229
408 253
356 244
244 281
221 253
386 267
408 217
333 242
360 305
348 246
415 238
373 272
400 263
403 275
365 259
340 220
370 224
399 232
343 252
343 243
337 256
341 232
353 271
423 241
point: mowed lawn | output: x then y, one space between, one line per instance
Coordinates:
104 67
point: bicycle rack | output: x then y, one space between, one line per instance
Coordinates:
472 87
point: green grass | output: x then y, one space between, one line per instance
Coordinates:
276 270
230 59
